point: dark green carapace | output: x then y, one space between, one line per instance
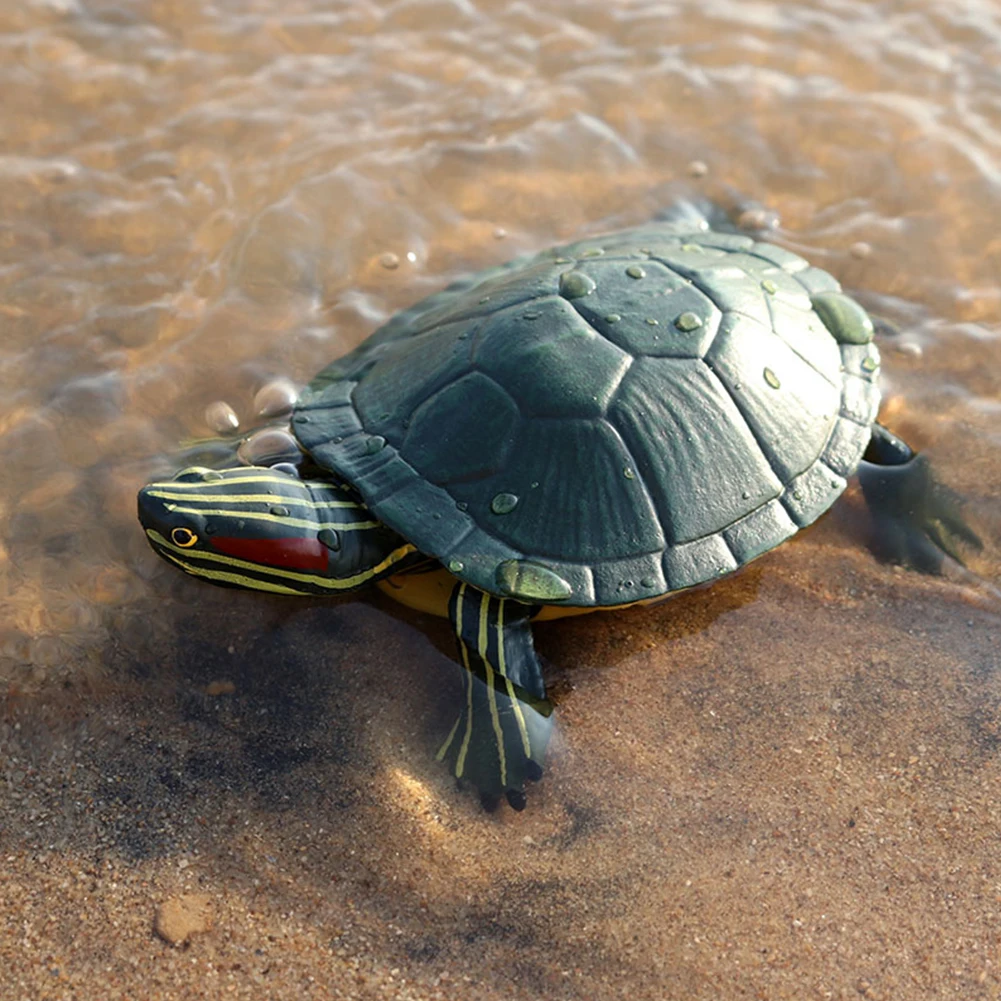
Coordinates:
629 415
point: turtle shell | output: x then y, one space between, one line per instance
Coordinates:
607 421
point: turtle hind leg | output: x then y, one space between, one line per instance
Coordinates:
499 739
918 521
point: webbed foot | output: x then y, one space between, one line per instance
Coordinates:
918 521
498 743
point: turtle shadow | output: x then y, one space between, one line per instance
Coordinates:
273 703
205 691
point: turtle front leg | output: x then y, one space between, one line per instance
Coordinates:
918 520
500 737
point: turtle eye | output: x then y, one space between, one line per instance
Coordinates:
183 537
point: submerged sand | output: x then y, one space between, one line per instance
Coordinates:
785 786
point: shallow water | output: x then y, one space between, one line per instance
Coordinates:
782 787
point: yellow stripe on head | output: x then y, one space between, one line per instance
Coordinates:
269 530
191 561
237 580
237 498
275 519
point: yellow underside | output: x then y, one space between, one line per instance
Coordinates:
429 592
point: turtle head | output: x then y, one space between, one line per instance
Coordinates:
263 529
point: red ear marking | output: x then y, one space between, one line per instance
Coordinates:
293 553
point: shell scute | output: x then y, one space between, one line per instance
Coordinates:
692 447
791 415
622 306
553 364
478 415
565 505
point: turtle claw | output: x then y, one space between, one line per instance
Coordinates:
497 763
918 521
533 771
516 797
490 801
953 537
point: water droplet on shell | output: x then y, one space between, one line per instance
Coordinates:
688 322
575 285
504 503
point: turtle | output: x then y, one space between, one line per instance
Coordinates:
600 425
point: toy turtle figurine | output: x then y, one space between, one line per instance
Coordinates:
601 425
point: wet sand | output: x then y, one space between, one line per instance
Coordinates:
784 786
